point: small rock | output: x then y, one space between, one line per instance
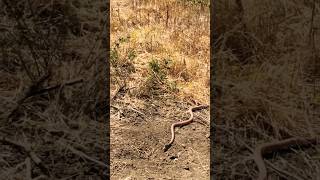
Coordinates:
179 154
173 157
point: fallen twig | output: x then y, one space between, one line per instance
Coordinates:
157 77
28 169
82 154
139 112
118 89
69 83
34 90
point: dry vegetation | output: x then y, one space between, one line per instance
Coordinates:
267 86
159 68
52 82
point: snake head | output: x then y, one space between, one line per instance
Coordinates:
166 147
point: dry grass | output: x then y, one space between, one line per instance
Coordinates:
51 88
267 73
179 42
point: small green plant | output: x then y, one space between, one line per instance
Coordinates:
114 57
168 63
124 39
121 61
156 70
173 86
158 78
197 2
131 54
118 59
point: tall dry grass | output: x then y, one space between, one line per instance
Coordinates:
174 34
52 84
266 59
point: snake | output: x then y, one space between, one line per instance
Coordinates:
269 147
183 123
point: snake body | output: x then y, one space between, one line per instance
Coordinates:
265 148
182 123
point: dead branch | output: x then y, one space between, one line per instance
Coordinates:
69 83
34 90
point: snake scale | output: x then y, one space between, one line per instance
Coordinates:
182 123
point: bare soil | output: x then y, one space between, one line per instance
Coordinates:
137 141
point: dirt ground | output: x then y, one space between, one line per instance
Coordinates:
139 134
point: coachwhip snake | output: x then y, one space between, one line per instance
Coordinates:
265 148
182 123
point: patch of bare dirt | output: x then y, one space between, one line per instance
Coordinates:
137 141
